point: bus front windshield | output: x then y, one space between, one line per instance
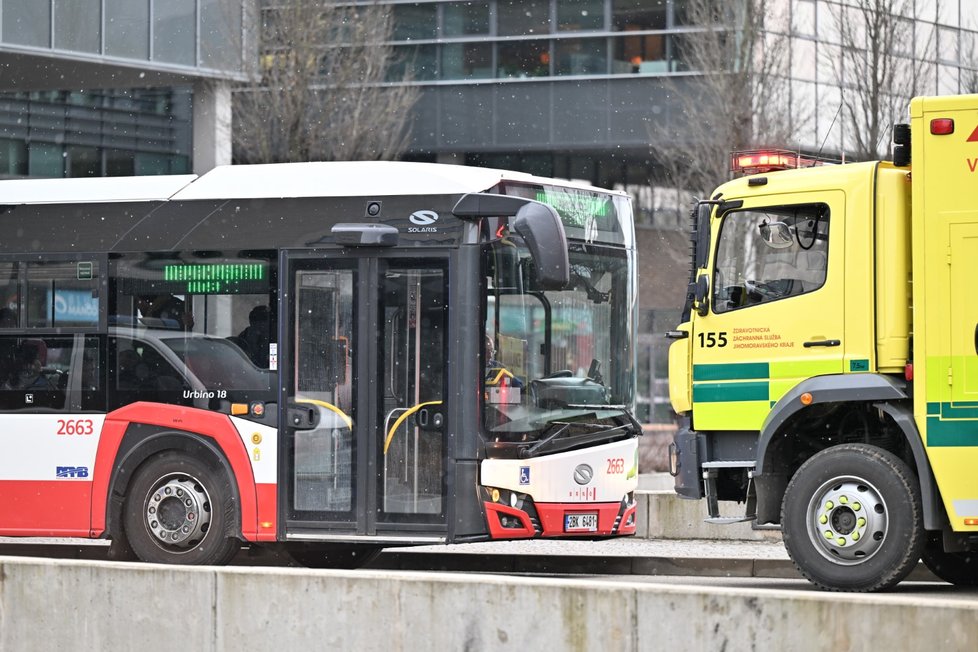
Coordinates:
559 369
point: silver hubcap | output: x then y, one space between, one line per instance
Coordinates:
178 512
847 520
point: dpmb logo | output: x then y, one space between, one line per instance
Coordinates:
72 471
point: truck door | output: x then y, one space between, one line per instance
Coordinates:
364 378
775 314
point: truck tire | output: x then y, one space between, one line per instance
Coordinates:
178 510
959 568
852 520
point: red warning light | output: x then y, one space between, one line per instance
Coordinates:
942 126
759 161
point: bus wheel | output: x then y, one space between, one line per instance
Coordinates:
178 511
851 519
334 555
960 568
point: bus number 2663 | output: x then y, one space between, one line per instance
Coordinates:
76 427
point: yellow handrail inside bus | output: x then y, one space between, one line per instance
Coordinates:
329 406
400 420
499 376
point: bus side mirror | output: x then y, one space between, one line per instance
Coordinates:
541 229
538 224
701 293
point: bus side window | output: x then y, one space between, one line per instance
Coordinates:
138 372
34 371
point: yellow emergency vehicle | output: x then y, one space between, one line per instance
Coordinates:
826 370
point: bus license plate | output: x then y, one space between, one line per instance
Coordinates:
580 522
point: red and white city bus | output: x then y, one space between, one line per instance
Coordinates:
326 357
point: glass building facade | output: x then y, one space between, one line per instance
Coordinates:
136 60
95 133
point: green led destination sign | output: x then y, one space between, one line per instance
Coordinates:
217 278
577 207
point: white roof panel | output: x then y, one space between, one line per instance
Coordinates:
91 189
339 179
322 179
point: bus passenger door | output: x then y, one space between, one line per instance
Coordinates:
364 376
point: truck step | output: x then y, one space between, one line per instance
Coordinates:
726 520
729 464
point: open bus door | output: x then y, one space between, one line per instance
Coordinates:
364 450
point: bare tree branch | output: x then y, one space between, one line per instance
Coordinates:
878 69
324 91
738 97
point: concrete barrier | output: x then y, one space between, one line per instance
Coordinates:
662 514
54 604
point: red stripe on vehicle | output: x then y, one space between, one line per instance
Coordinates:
203 422
496 530
45 508
267 511
552 517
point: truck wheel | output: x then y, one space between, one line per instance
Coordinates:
959 568
851 519
177 511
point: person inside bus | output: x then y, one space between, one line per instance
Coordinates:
496 371
255 338
30 360
169 310
133 372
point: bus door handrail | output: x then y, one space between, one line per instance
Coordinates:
329 406
397 424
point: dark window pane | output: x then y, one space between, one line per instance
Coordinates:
119 163
640 54
413 22
633 15
465 18
517 18
62 294
577 15
13 158
84 162
418 60
693 12
524 59
35 372
127 28
466 61
582 57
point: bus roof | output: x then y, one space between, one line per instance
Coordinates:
317 179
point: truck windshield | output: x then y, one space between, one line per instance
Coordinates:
558 368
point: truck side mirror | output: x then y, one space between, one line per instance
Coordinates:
701 294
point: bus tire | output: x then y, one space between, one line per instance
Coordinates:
852 520
178 511
958 568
